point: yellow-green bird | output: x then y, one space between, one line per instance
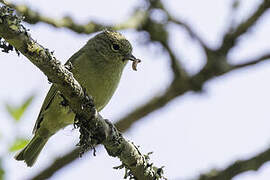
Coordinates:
98 68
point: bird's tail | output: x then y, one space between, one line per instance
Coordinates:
29 153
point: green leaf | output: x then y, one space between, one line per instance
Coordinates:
17 112
18 144
2 172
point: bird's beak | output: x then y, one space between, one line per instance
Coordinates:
134 59
130 57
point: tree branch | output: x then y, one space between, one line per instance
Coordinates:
34 17
102 131
231 37
178 71
152 105
58 163
238 167
216 65
252 62
190 31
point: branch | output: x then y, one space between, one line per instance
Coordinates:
238 167
158 33
231 37
252 62
176 89
152 105
58 164
102 131
179 72
34 17
139 19
218 66
122 125
189 30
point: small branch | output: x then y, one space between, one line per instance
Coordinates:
233 14
178 71
220 66
238 167
34 17
231 37
252 62
157 4
190 31
152 105
217 63
158 33
58 164
102 130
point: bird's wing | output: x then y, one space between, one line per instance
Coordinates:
45 105
52 92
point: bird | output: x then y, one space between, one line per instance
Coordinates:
98 67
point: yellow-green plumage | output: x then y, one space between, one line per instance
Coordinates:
98 68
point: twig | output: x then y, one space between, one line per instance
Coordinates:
231 37
34 17
190 31
254 61
58 164
238 167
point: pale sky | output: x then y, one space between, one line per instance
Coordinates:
192 134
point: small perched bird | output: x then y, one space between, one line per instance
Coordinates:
98 68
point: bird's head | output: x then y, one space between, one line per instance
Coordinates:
114 48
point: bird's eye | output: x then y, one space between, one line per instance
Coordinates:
115 47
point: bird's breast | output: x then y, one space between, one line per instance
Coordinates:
99 80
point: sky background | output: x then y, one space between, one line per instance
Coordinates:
192 134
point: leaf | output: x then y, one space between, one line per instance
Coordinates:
17 112
18 144
2 172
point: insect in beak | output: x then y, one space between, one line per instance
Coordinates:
134 59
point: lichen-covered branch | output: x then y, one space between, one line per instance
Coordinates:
217 65
152 105
135 21
102 131
238 167
34 17
126 122
217 60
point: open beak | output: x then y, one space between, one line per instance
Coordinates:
134 59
